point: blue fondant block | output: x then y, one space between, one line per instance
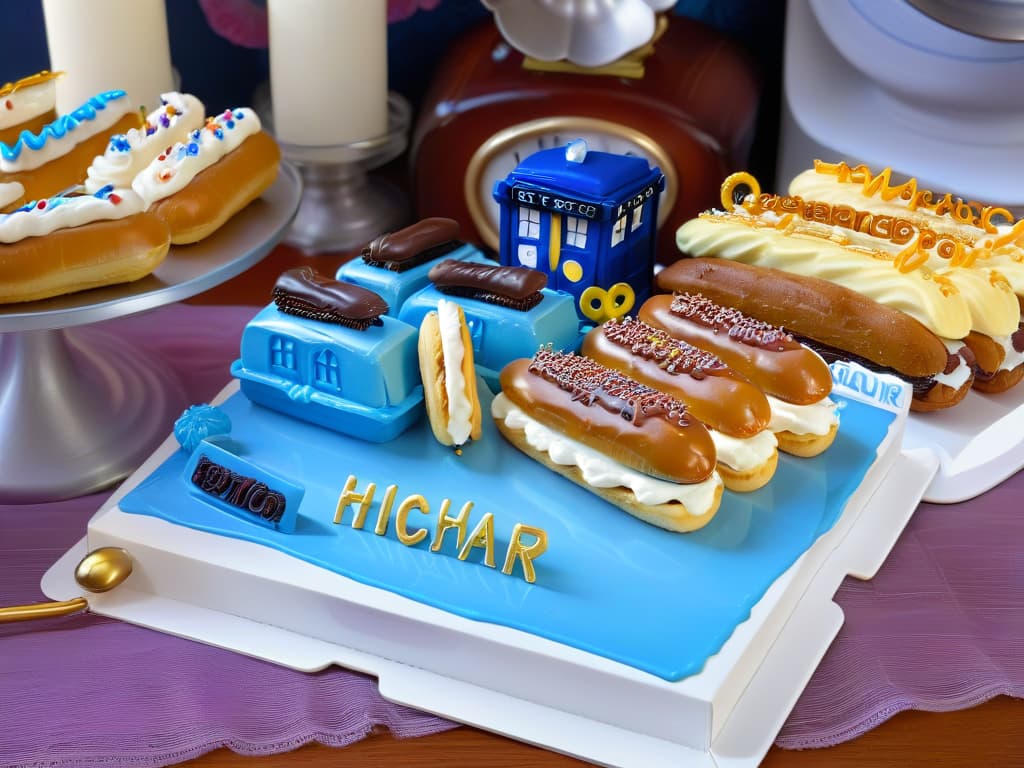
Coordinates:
362 383
396 287
234 485
500 334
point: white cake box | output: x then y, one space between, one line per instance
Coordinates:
262 602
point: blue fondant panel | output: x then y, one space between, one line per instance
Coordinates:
396 287
608 584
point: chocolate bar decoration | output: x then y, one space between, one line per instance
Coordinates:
416 244
513 287
306 293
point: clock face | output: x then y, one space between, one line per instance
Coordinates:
501 153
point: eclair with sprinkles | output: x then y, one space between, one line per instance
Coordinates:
68 244
56 158
198 185
735 411
795 380
632 445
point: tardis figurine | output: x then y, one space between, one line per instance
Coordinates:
586 219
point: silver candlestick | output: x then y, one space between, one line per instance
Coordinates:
343 206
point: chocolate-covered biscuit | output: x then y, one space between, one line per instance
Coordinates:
513 287
416 244
306 293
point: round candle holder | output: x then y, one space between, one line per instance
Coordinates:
343 206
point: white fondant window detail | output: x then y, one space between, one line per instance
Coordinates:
529 223
528 256
325 369
619 230
282 352
576 232
638 218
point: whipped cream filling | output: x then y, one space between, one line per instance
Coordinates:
45 216
961 373
460 410
26 103
172 170
814 419
602 472
128 153
9 192
744 454
98 114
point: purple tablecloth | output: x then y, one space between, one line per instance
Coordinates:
939 628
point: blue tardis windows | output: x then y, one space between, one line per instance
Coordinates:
282 353
326 372
575 232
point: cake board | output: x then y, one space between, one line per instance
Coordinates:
188 583
979 443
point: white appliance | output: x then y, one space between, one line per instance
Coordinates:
884 83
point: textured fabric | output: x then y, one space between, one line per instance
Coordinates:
934 630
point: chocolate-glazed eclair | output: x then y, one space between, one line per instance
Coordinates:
632 445
306 293
416 244
796 381
513 287
734 410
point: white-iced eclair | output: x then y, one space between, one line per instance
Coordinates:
27 105
56 158
128 153
197 185
67 244
449 376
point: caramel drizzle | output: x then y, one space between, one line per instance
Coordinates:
591 383
674 356
969 212
27 82
737 326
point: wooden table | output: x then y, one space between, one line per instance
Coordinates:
988 735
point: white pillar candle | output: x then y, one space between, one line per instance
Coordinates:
104 45
328 70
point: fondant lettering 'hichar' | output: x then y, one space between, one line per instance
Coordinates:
466 540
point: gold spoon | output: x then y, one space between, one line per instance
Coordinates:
99 571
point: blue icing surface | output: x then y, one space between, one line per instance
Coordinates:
396 287
61 126
608 583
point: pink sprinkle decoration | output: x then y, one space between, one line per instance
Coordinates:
165 174
114 198
162 157
41 204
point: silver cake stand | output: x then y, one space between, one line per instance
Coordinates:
79 408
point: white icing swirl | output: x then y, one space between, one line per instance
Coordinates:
25 103
9 192
744 454
171 172
742 238
814 419
128 153
600 471
460 410
65 133
959 375
66 212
